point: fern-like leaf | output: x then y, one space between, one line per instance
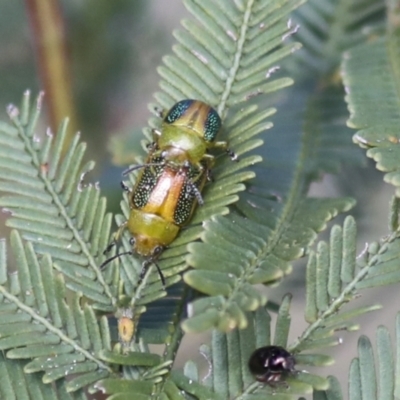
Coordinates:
216 57
62 216
15 384
280 224
335 275
376 379
59 337
38 325
329 27
333 393
219 55
229 376
376 118
50 204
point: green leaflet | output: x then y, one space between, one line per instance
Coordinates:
325 141
228 355
372 378
329 27
15 384
51 205
257 249
58 338
376 126
333 393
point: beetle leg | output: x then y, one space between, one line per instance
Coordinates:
232 155
145 268
125 187
193 189
159 112
191 181
198 166
156 134
152 146
224 146
210 177
208 159
221 144
197 193
116 237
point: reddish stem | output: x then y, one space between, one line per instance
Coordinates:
51 56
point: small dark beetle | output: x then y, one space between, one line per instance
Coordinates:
271 364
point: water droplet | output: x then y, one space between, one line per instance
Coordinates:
202 58
291 30
272 70
12 111
231 35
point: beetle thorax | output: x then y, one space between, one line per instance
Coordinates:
145 245
179 155
150 231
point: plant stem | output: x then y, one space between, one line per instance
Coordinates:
51 56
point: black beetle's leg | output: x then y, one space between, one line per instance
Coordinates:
196 192
159 112
125 187
232 155
152 146
224 146
160 273
116 237
152 260
210 177
191 181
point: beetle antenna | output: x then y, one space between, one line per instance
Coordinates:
135 167
113 258
109 247
145 266
160 273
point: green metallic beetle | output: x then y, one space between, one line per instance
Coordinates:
188 131
161 202
170 184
